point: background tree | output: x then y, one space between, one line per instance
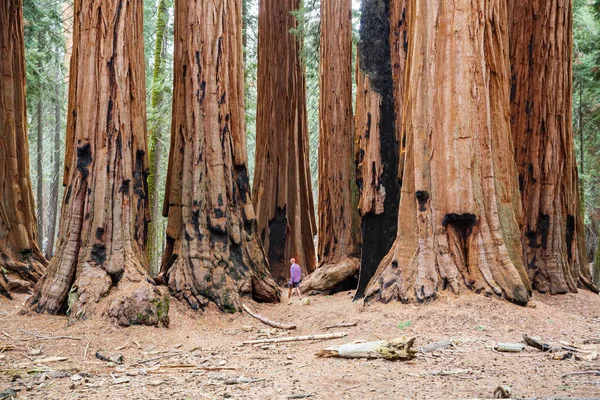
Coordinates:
101 250
376 152
338 241
21 261
213 250
282 190
553 234
458 224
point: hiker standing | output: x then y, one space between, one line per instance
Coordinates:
295 278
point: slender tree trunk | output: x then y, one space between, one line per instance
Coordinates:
156 137
53 205
213 251
40 172
21 261
100 263
581 154
282 188
338 242
459 223
541 96
376 154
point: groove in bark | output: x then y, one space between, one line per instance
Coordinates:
213 250
376 144
459 227
338 217
282 192
541 44
21 261
101 247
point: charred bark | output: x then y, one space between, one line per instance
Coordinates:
541 45
21 261
282 192
213 250
100 266
459 227
377 147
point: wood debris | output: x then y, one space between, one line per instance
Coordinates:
267 321
397 349
322 336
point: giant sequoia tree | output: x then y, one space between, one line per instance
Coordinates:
213 250
459 220
541 44
376 152
101 249
282 190
338 234
21 261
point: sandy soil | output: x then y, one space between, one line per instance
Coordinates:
224 368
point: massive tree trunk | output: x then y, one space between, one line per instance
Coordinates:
282 187
376 154
21 261
156 138
213 250
459 220
338 250
541 43
101 250
53 204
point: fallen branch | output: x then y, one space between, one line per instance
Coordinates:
442 373
431 347
6 347
267 321
397 349
537 343
342 325
49 360
591 372
323 336
38 336
300 396
158 358
509 347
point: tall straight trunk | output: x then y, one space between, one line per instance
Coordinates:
338 251
541 44
100 265
21 261
53 203
156 137
282 188
213 251
459 223
376 154
40 172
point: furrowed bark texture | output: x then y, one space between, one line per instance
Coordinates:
40 173
101 250
376 140
213 250
459 227
21 261
53 203
282 190
541 44
338 232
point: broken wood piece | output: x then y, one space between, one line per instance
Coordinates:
267 321
536 342
49 360
6 347
590 372
397 349
322 336
509 347
502 392
342 325
117 358
431 347
300 396
587 356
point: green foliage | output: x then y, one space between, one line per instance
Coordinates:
480 328
404 325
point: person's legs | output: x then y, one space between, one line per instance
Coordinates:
298 291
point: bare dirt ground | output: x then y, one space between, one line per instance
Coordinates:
200 356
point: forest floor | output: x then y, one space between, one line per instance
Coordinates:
200 356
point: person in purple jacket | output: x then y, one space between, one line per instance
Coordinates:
295 278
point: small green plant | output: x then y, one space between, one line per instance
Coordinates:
566 387
480 328
403 325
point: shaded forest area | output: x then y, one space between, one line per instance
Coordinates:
376 142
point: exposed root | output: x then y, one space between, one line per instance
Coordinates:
20 276
327 277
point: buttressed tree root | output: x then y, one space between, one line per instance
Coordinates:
21 261
459 206
100 266
213 251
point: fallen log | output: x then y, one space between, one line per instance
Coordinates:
267 321
509 347
322 336
397 349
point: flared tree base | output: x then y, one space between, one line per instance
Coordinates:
329 278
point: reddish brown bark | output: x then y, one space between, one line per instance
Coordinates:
213 250
459 223
21 261
282 190
338 250
376 143
541 45
101 247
